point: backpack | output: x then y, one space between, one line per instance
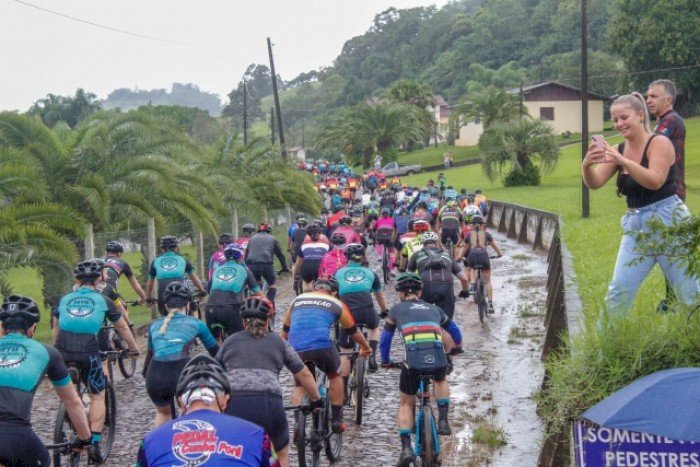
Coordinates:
331 262
435 259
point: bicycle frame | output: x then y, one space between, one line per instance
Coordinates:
423 395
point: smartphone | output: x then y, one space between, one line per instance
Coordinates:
599 140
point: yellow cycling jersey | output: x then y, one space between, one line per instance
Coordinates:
411 246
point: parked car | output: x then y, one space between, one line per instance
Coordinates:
394 169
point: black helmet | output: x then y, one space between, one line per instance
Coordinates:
257 307
345 220
17 306
337 209
300 215
314 230
176 294
463 191
114 247
168 242
355 252
89 269
329 283
408 282
225 238
202 372
248 229
338 238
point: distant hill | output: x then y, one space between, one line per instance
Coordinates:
187 95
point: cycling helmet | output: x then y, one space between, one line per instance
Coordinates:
337 209
225 238
248 229
324 211
320 222
17 306
176 294
202 371
410 225
233 251
301 222
168 242
408 282
420 225
470 212
386 212
300 215
114 247
328 283
450 203
338 238
88 269
264 227
429 236
355 252
314 230
471 197
345 220
477 219
373 212
422 205
257 308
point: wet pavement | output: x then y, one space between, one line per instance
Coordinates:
492 384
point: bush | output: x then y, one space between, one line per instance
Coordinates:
529 175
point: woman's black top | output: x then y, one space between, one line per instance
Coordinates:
639 196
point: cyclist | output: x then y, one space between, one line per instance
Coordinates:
335 258
76 322
421 213
23 364
449 194
477 257
345 228
412 243
226 293
259 258
115 266
334 220
385 235
309 256
438 270
307 325
204 435
170 339
296 237
170 267
253 360
450 221
481 201
248 230
217 258
427 333
356 286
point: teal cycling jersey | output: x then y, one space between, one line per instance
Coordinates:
230 277
355 278
169 266
179 338
23 364
84 310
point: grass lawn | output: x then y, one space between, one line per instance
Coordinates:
593 242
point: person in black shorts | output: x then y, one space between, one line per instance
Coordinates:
309 256
253 360
259 257
115 267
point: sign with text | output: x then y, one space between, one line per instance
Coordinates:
597 446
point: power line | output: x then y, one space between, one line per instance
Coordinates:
109 28
633 73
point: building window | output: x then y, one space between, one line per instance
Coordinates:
547 113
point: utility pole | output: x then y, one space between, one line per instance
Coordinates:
585 196
283 150
272 125
245 114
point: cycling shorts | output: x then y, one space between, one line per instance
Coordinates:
161 380
366 317
263 270
441 294
103 340
383 236
452 234
265 410
90 367
20 446
309 269
227 316
410 379
327 360
478 258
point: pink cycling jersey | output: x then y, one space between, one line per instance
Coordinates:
385 223
350 235
331 262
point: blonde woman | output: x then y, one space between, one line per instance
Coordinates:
645 166
170 339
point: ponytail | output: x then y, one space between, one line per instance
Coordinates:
256 327
167 320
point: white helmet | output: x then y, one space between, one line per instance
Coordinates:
471 211
429 236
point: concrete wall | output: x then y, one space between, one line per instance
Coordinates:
567 115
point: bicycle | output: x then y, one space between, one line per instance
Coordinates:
313 429
64 449
126 364
480 294
358 385
64 430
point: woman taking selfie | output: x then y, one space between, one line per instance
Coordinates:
645 168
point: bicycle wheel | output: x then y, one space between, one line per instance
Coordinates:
385 263
357 395
301 435
481 299
63 433
429 456
110 427
333 441
127 365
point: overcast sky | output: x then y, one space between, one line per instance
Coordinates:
206 42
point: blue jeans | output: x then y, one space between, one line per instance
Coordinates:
632 266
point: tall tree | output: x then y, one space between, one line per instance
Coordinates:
70 109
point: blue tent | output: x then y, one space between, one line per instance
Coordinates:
665 403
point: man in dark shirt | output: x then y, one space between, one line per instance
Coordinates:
259 256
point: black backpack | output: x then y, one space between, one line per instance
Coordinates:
435 259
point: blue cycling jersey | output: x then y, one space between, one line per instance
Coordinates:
170 265
84 310
178 339
205 438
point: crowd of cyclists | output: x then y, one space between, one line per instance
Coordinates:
226 403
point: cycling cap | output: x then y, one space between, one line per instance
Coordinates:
264 227
168 242
257 307
176 294
429 236
88 269
202 371
225 238
314 230
338 238
17 306
248 229
355 252
114 247
328 283
345 220
408 282
233 251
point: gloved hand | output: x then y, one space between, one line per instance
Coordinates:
78 444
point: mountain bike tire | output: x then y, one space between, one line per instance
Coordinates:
358 391
428 456
127 365
300 436
481 304
385 264
110 428
63 433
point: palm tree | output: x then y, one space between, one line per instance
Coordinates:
490 106
518 145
